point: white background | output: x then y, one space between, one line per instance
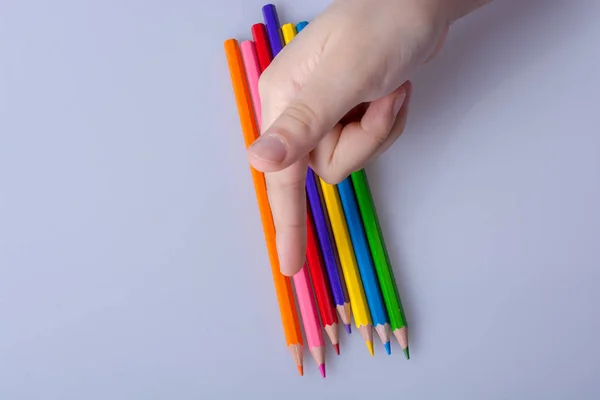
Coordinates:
131 268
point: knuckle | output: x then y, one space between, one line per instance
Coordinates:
303 115
381 135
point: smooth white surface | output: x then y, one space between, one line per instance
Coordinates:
129 230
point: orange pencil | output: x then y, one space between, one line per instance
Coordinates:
283 287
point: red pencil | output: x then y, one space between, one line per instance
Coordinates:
314 260
263 50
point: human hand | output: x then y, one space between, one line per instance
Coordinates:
337 96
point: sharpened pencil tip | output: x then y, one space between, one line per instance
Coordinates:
388 348
337 348
322 370
300 370
406 353
370 347
348 329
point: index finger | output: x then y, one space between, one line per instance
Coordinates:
287 196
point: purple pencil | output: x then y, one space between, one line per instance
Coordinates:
315 197
273 28
328 249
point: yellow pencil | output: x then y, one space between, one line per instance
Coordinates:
289 32
362 316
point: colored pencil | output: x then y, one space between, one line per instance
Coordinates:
250 60
360 308
315 266
259 33
310 318
314 259
301 25
283 287
289 33
273 28
328 249
330 256
381 259
365 263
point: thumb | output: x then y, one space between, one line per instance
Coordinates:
312 112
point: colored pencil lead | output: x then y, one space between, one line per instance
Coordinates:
402 337
406 353
388 348
345 311
370 347
366 331
348 328
322 370
300 370
337 348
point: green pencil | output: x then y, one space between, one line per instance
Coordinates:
381 259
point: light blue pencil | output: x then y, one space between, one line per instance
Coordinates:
365 262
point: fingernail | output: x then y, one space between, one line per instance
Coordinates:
269 148
398 103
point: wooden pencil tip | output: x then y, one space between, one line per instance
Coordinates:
337 348
300 370
348 328
406 353
370 347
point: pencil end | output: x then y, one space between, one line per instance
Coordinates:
369 344
300 370
322 370
337 348
348 328
332 333
406 353
301 25
388 348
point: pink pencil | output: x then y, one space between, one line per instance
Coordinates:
304 291
310 317
253 72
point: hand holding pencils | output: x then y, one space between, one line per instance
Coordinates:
346 260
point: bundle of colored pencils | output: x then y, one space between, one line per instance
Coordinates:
347 262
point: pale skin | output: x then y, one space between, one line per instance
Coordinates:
338 96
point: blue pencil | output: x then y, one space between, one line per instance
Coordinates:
273 28
301 25
365 262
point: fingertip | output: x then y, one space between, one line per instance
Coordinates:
399 101
291 248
